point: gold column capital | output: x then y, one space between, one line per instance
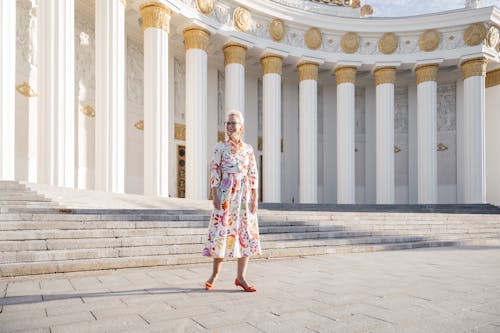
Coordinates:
308 71
426 73
345 74
155 15
196 38
474 67
385 75
271 64
234 53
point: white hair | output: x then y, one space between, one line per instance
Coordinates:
237 114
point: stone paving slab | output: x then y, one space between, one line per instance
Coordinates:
426 290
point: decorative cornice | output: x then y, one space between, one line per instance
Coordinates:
155 15
474 34
493 78
388 43
308 71
205 6
345 74
196 38
350 42
271 64
234 53
426 73
429 40
385 75
474 67
313 38
277 29
26 90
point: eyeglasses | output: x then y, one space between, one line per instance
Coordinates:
233 123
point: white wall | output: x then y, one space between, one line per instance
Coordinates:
492 145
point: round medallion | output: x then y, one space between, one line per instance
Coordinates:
429 40
205 6
366 10
388 43
355 3
492 37
350 42
242 19
277 30
313 38
474 34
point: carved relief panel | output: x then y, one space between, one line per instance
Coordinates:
179 91
360 110
446 107
401 110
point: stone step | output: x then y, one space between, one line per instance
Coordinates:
176 249
47 267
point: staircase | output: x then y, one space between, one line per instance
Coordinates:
37 236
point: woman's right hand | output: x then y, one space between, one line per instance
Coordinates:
216 200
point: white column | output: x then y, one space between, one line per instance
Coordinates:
196 43
7 88
234 64
346 181
308 129
384 137
271 141
110 96
155 25
473 73
56 99
427 133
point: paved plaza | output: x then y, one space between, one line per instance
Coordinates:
427 290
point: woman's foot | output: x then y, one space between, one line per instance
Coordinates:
243 284
210 282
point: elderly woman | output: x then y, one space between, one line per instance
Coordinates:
233 231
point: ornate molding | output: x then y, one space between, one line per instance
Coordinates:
205 6
242 19
308 71
180 132
492 37
155 15
385 75
350 42
429 40
88 111
493 78
474 34
388 43
474 67
196 38
26 90
271 64
277 30
139 125
313 38
426 73
234 53
345 75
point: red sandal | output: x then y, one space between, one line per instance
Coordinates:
250 289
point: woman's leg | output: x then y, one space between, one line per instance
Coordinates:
242 269
215 270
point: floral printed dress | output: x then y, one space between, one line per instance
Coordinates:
233 231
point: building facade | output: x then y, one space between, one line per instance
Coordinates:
340 107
